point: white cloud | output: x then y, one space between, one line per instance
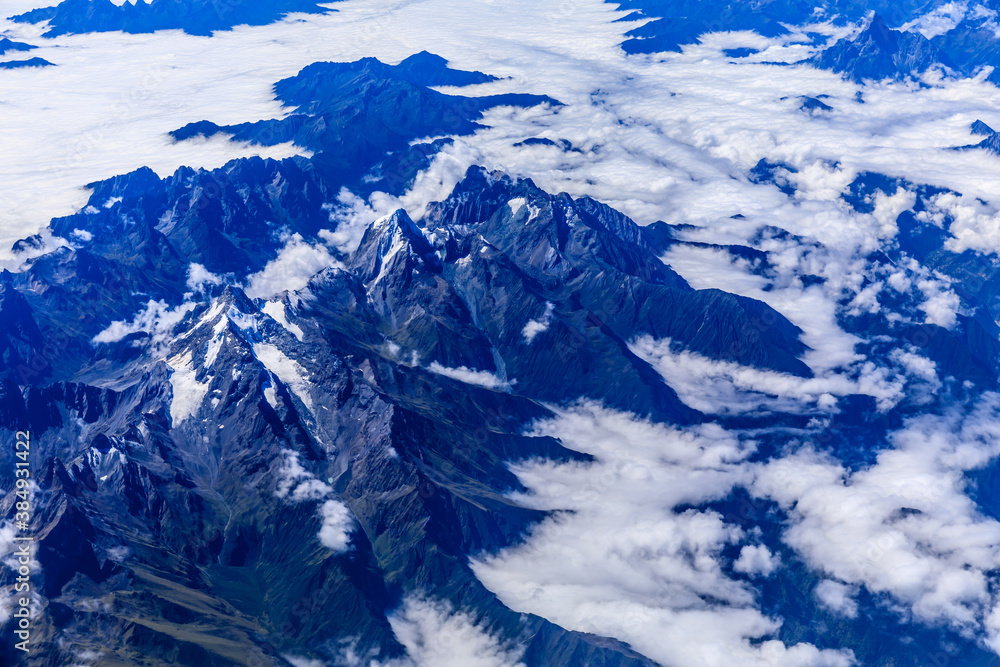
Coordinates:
535 327
120 93
156 318
291 474
620 561
352 216
725 387
296 263
756 559
337 526
812 308
975 223
198 277
298 485
469 376
904 526
837 597
298 661
939 21
435 635
941 304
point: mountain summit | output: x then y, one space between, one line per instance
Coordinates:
879 52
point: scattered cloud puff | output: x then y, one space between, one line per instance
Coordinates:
756 559
939 21
469 376
298 661
941 305
199 277
626 555
975 223
297 485
296 263
335 534
156 318
535 327
837 597
435 635
352 216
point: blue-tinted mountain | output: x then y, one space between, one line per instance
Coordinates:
880 52
982 129
215 218
30 62
6 44
673 24
972 45
361 118
191 500
990 143
429 69
195 17
814 104
176 517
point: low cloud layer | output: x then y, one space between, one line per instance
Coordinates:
906 526
624 560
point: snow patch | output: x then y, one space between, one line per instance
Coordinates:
276 310
287 370
187 393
